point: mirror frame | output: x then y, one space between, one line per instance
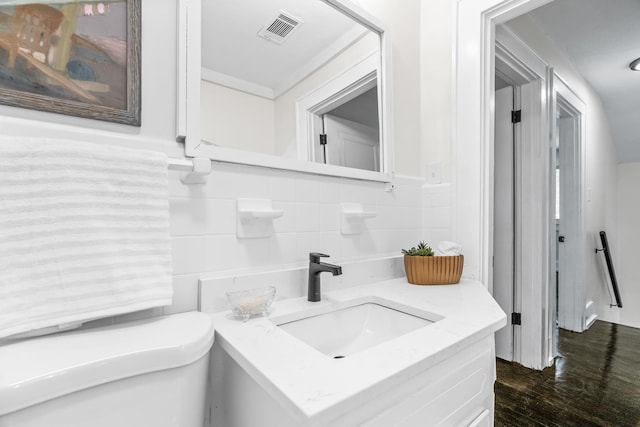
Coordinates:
188 100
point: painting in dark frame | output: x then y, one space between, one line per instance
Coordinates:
79 58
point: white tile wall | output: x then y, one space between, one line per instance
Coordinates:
203 225
436 213
292 282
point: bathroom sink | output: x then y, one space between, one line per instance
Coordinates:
344 331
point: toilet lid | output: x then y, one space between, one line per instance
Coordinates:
39 369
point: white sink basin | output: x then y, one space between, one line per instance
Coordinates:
360 325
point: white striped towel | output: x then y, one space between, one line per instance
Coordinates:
84 233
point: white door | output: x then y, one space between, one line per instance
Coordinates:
520 217
569 137
351 144
571 298
503 214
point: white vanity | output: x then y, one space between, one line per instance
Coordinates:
427 358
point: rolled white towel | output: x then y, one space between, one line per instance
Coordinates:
448 249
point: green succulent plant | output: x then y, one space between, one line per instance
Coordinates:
421 250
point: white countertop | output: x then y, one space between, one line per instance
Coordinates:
312 385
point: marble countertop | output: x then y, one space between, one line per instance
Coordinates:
312 386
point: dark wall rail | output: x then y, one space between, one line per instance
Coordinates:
612 272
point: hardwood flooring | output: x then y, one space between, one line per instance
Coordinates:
595 382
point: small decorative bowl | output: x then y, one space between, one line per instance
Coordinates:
253 302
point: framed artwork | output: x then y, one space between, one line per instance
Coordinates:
79 58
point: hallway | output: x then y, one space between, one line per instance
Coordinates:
595 382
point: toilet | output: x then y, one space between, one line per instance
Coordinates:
150 372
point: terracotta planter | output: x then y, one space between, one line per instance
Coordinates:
433 270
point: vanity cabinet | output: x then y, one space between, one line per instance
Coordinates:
457 391
439 374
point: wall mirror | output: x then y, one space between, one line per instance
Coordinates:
288 84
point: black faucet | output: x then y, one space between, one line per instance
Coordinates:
315 268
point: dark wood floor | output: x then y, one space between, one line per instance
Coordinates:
595 382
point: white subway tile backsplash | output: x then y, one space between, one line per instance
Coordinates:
292 282
329 217
317 189
288 222
284 248
436 235
436 195
185 294
384 218
351 192
178 189
329 191
307 189
220 216
369 192
188 254
233 181
406 238
359 246
254 252
307 217
221 252
203 225
187 216
408 195
331 244
307 243
437 217
411 217
387 198
282 187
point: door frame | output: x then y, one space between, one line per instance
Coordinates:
515 60
472 144
348 85
572 296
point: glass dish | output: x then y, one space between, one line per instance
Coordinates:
252 302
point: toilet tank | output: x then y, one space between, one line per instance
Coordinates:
150 372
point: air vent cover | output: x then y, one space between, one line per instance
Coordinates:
280 28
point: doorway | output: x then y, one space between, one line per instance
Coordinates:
521 213
539 259
569 133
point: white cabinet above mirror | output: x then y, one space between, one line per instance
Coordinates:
302 85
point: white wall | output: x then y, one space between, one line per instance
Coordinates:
224 114
285 104
601 165
203 217
435 95
403 22
224 111
203 222
626 255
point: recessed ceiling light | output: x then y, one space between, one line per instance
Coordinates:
635 65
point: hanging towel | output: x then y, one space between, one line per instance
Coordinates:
84 233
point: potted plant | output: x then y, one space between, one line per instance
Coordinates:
423 267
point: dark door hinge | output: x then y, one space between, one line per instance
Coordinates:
516 319
561 239
323 139
516 116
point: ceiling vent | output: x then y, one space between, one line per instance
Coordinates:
280 28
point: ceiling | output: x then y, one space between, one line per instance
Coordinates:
601 37
231 46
